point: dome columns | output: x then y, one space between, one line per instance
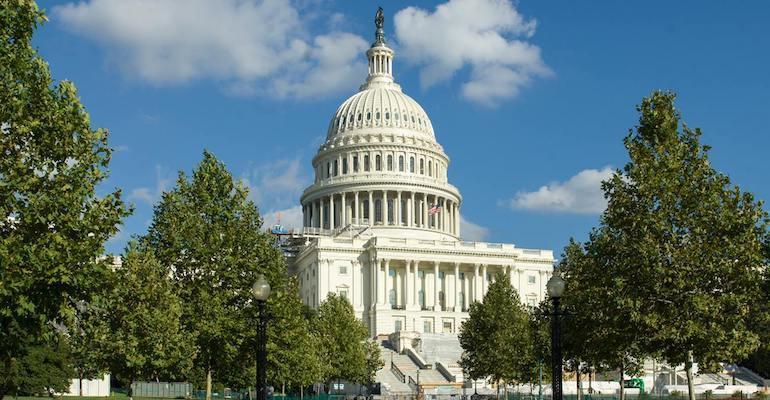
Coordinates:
386 208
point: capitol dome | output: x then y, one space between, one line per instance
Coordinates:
380 166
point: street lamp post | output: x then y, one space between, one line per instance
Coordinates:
555 287
261 291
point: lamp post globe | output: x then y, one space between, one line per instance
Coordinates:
261 288
261 291
555 288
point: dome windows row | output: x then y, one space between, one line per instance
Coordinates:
365 162
377 118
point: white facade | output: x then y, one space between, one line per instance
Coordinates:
382 221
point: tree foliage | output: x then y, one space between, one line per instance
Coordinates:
496 339
145 340
53 225
207 233
44 369
346 350
678 254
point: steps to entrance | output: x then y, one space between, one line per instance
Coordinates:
390 379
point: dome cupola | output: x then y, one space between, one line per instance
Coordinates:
381 166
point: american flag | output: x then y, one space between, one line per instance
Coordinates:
434 209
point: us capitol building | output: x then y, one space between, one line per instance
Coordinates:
381 222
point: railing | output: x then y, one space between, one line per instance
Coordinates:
445 372
416 358
397 307
397 372
413 384
427 308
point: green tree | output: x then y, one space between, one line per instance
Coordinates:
208 234
598 330
45 368
496 339
52 223
347 352
293 350
679 249
145 339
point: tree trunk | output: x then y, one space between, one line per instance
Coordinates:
577 380
622 389
505 390
208 383
591 381
688 369
283 389
301 392
131 389
497 389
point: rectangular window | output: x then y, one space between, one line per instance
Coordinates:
344 165
398 325
411 164
401 163
355 163
336 169
462 276
422 167
427 326
377 163
421 274
440 274
343 269
344 293
366 163
390 163
531 279
328 170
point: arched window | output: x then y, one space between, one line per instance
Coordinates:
401 163
366 162
368 115
422 167
366 209
411 164
359 117
390 162
430 168
378 163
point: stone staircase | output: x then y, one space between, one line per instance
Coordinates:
396 365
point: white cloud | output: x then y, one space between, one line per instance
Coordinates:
151 195
471 231
580 194
276 185
289 218
489 36
253 47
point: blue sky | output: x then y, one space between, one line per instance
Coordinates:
531 100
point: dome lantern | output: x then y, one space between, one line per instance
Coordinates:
380 56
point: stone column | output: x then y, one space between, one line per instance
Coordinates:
416 286
373 267
457 288
484 282
385 207
436 282
425 211
386 300
397 209
343 210
371 209
357 208
321 213
410 210
408 282
331 212
355 289
476 283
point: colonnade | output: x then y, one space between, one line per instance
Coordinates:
383 208
443 286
